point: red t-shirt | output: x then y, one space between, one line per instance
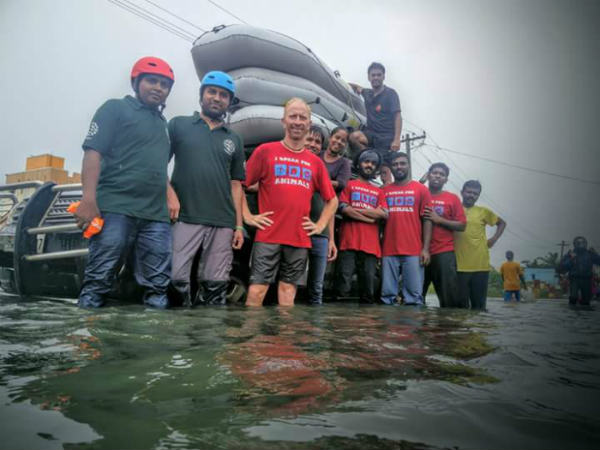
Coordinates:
403 229
287 181
448 206
354 234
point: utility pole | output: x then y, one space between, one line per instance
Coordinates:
562 246
408 139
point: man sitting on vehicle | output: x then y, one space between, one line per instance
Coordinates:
384 116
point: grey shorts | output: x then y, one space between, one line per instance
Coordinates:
268 259
214 243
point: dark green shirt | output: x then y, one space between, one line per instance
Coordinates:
134 145
205 163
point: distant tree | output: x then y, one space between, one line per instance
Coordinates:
550 261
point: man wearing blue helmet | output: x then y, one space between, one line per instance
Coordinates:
206 195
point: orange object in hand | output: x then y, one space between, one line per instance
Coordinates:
95 225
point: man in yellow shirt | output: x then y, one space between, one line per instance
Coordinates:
472 247
511 273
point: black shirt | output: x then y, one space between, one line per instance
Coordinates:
133 141
381 111
205 163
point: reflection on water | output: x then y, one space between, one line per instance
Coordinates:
338 376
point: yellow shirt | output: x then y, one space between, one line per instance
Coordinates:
470 246
511 271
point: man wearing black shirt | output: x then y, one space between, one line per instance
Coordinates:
384 116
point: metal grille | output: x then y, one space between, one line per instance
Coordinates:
57 213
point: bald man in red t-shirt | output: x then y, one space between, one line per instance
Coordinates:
287 174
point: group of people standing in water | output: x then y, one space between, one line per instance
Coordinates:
165 228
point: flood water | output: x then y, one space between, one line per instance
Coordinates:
333 377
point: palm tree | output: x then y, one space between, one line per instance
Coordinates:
550 261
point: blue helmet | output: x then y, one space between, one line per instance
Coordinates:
219 79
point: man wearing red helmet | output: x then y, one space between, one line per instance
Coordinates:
124 176
206 199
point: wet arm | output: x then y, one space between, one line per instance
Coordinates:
328 211
397 126
425 257
90 173
375 213
453 225
436 219
354 214
356 88
260 221
331 248
523 282
500 226
237 193
173 204
565 264
427 230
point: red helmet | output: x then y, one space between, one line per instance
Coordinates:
154 65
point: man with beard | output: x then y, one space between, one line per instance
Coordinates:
447 215
362 205
287 174
407 235
578 263
323 249
124 174
384 117
472 247
206 195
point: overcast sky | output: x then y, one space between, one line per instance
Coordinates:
516 81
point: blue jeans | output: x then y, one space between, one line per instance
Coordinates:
317 263
508 295
150 242
412 279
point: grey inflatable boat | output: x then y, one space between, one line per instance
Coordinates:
237 46
258 86
262 123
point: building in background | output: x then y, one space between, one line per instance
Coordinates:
44 168
40 168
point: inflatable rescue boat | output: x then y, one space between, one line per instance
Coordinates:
270 67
